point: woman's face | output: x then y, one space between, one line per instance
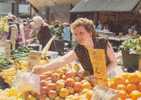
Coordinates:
82 36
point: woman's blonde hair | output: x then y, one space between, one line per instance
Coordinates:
86 23
38 20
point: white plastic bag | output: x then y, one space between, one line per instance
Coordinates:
113 72
104 93
27 81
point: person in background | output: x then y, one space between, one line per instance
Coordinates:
106 28
84 32
99 26
40 30
66 33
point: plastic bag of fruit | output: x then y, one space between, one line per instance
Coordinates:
104 93
27 81
113 72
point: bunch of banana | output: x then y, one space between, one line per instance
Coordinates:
4 27
8 75
21 65
10 94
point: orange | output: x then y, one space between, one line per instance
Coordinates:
128 99
121 87
52 93
133 78
51 86
127 82
112 84
139 86
55 76
77 86
125 75
122 94
119 80
135 94
131 87
69 82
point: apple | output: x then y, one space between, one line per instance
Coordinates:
70 74
60 84
77 86
55 76
52 93
69 82
51 86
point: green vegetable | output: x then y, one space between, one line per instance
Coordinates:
132 45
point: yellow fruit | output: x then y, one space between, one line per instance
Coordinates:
60 84
86 85
135 94
12 92
64 92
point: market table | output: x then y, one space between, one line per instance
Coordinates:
114 40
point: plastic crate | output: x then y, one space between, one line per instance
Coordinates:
130 61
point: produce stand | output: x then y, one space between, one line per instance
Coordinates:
116 41
18 82
66 83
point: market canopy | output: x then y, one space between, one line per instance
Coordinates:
43 3
106 5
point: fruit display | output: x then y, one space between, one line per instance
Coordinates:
66 84
128 85
70 83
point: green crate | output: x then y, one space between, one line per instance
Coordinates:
130 60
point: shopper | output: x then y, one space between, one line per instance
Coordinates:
84 32
40 30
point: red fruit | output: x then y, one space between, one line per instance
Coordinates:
139 86
51 86
131 87
42 97
48 74
44 90
55 76
69 82
64 77
42 77
77 86
70 74
43 82
52 93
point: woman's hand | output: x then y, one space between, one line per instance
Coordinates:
38 69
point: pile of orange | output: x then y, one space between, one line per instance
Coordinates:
66 85
128 85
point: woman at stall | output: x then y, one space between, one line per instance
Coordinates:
84 32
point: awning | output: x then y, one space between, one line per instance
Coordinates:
5 8
43 3
105 5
